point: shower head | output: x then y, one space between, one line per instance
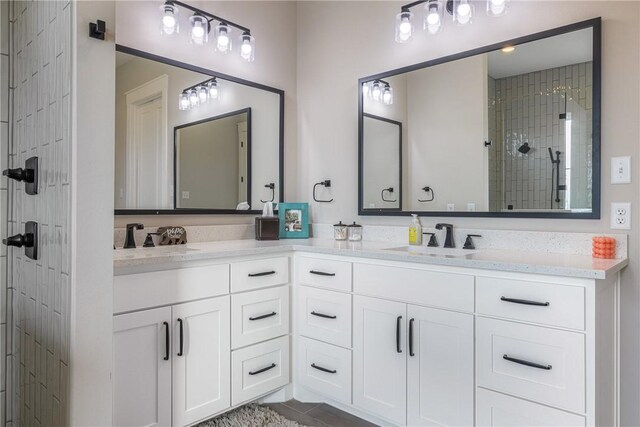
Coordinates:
557 158
524 148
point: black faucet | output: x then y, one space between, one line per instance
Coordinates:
448 240
130 240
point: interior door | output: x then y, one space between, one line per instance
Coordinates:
379 363
440 367
201 359
142 368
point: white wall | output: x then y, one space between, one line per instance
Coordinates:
363 45
272 23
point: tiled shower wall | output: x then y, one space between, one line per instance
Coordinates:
40 80
525 109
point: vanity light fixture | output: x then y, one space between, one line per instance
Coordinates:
200 26
378 90
199 94
461 11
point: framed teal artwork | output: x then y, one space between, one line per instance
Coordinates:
294 220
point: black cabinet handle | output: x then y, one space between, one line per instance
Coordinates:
411 338
398 349
527 363
524 302
259 371
264 273
326 316
166 343
320 368
322 273
264 316
181 338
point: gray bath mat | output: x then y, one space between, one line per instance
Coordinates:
250 416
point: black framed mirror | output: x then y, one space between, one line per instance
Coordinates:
507 130
194 141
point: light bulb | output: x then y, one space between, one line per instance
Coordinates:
223 38
464 12
387 95
376 92
169 21
496 7
365 89
432 19
199 29
202 94
247 47
193 98
214 92
183 101
404 26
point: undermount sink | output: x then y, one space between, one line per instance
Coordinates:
437 252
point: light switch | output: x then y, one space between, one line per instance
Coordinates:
621 170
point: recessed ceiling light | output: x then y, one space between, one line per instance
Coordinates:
508 49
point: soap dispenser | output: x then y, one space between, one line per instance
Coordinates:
415 231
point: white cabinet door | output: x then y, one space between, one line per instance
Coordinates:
379 358
440 367
142 368
201 359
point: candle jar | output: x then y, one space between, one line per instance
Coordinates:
340 231
355 232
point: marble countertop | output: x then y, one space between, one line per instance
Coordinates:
127 261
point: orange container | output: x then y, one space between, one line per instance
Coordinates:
603 247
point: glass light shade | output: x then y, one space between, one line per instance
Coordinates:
247 47
463 12
496 7
432 16
203 94
183 101
199 30
223 38
366 90
376 91
404 26
194 99
214 89
169 19
387 95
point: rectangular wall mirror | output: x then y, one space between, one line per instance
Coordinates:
509 130
193 141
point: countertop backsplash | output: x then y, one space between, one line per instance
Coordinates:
531 241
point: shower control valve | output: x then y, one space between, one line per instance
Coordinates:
28 175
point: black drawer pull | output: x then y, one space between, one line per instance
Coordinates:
259 371
320 368
527 363
524 302
264 316
166 342
264 273
322 273
326 316
180 353
398 320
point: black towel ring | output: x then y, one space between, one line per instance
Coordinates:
390 190
428 190
326 183
272 187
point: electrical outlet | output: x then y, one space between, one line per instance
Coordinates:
185 194
621 216
451 207
621 170
471 207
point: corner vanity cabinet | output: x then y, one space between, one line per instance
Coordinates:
397 343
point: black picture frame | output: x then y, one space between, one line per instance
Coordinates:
246 111
399 124
212 73
596 25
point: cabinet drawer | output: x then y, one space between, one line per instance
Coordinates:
325 273
259 369
432 288
144 290
325 369
259 273
498 410
259 316
545 303
324 315
541 364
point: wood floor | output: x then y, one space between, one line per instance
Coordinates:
317 415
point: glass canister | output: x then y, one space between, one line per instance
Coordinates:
340 231
355 232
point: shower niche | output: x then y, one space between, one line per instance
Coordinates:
511 130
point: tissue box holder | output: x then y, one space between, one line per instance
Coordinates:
267 228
